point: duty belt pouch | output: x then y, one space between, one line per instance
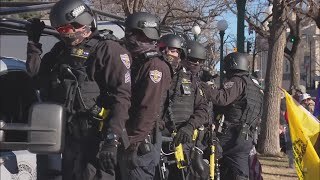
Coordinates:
243 135
145 146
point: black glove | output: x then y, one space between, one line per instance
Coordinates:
35 29
184 135
108 155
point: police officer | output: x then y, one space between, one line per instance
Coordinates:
151 76
196 55
240 100
185 111
88 75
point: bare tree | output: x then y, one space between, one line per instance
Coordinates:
272 27
177 13
269 143
293 54
183 14
309 8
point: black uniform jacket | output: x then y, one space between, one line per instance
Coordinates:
231 91
109 66
150 83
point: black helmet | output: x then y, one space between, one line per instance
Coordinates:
196 50
174 41
72 11
171 40
236 61
146 22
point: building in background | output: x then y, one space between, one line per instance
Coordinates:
309 58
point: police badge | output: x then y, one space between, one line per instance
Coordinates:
155 76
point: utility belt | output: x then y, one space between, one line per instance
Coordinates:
224 127
146 145
244 131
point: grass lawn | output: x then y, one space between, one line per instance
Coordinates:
276 168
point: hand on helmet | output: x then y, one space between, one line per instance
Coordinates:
35 29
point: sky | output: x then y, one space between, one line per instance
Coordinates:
232 27
232 23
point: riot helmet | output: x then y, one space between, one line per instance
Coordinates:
74 12
173 41
196 51
236 61
145 22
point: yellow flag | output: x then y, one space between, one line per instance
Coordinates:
304 131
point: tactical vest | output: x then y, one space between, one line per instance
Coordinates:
181 96
248 109
70 84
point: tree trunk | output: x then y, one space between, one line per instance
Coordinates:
295 67
269 137
294 53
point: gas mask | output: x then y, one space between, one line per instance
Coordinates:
135 46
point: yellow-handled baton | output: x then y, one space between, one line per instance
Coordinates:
212 163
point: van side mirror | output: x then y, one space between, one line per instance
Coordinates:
46 130
48 124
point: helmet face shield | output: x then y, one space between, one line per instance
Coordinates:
69 28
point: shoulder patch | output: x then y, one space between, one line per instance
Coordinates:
155 76
228 85
201 92
125 60
127 77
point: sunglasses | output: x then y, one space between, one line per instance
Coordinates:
196 61
69 28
